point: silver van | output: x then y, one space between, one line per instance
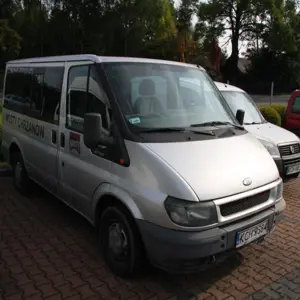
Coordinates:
166 175
283 145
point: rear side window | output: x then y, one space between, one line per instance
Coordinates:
296 105
34 92
53 78
18 91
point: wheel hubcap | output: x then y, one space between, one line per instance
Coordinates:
18 173
117 240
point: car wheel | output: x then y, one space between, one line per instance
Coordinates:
121 242
20 177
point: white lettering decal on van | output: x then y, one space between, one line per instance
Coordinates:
26 125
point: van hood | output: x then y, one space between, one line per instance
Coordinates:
217 168
271 132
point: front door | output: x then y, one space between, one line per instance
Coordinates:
81 170
292 119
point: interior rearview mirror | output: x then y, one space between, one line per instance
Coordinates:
93 132
240 114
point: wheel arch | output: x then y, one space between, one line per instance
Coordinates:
13 148
106 195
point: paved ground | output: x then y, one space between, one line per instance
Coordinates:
49 252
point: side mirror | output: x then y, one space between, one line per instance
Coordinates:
93 133
240 114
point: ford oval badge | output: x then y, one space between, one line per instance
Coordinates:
247 181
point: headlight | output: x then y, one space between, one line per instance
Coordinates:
272 149
191 214
277 191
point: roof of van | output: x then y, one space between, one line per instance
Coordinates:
227 87
96 59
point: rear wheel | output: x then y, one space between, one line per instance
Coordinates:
120 241
21 180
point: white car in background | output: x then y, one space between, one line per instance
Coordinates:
282 144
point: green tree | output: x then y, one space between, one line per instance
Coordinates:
9 42
135 24
30 22
237 17
279 52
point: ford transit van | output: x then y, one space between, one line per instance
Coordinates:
283 145
164 171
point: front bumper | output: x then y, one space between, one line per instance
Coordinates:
279 209
282 167
189 251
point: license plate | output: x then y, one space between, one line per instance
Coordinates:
251 234
293 169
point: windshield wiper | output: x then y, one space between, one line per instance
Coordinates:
164 129
175 129
217 123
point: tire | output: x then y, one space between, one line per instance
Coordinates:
20 177
121 242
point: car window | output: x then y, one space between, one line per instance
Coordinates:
76 97
160 89
154 95
35 92
97 99
240 100
85 94
296 105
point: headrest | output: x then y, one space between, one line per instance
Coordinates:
147 88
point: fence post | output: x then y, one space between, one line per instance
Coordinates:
272 91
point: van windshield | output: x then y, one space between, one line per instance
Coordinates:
240 100
166 96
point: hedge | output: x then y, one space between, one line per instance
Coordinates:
271 114
280 108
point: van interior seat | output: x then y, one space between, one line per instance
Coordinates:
147 103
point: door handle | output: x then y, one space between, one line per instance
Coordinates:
62 140
54 137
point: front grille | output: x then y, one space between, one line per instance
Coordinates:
291 149
243 204
291 162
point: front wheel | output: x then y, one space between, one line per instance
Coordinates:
120 241
20 177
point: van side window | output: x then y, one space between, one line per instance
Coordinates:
76 97
37 93
97 99
52 86
18 92
296 106
34 92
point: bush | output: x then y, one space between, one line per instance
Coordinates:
280 108
270 114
